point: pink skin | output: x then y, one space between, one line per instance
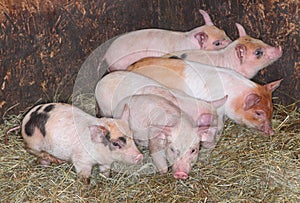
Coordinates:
179 151
172 133
130 47
116 86
86 140
248 103
245 55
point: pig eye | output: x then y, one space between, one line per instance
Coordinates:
193 151
258 53
172 149
217 43
259 114
116 144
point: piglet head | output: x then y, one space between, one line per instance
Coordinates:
183 156
208 36
252 54
180 143
257 108
116 137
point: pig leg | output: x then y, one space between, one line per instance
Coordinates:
105 170
220 128
46 159
83 170
158 155
40 156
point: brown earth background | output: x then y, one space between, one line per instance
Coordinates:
43 44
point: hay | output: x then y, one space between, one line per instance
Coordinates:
246 166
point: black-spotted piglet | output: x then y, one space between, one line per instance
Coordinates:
63 132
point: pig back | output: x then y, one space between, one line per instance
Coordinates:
57 128
151 42
116 86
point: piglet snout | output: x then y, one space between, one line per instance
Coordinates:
276 52
181 175
267 129
138 158
226 42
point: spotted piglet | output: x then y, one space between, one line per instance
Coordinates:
58 132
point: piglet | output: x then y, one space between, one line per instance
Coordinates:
57 132
248 103
173 136
116 86
245 55
135 45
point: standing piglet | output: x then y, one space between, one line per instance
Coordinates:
248 103
135 45
67 133
173 136
245 55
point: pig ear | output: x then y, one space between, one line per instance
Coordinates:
206 17
205 119
125 114
273 85
202 38
220 102
251 100
241 51
98 132
207 134
241 30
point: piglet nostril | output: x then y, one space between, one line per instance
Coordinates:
181 175
270 131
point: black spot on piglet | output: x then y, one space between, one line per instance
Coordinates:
123 139
37 120
49 108
106 140
174 57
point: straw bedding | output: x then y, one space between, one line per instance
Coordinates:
246 166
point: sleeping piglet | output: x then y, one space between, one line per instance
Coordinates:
135 45
173 136
245 55
58 132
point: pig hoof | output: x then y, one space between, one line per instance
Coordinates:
163 171
181 175
47 159
44 162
